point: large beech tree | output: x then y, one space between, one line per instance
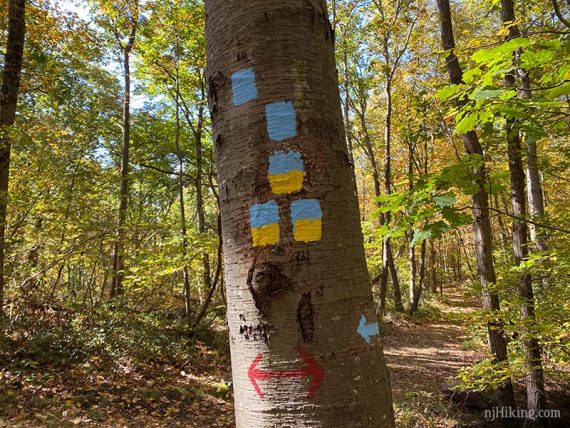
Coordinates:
303 333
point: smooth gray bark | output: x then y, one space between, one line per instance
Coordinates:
294 307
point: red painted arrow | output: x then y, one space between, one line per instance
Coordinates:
311 369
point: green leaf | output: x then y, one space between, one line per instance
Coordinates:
445 200
467 123
447 92
420 236
470 75
486 94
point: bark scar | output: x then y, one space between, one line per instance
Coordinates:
264 281
214 82
306 317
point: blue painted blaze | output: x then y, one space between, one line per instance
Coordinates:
244 88
367 330
306 209
281 120
283 162
264 214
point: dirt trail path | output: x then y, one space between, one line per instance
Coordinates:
424 355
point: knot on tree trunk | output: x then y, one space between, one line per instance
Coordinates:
264 281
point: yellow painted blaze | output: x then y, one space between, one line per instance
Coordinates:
265 235
290 182
307 230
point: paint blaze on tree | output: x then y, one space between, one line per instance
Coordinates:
304 341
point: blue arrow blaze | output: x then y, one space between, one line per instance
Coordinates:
367 331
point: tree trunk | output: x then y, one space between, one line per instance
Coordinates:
462 243
432 268
210 295
347 122
388 266
534 379
206 270
303 332
481 224
535 194
503 231
181 201
422 270
413 289
120 234
8 101
387 255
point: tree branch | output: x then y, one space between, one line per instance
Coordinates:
559 13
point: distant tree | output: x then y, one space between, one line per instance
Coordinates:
121 19
534 379
9 89
173 54
393 48
481 219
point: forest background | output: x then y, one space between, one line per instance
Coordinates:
112 250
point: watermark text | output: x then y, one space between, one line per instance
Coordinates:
506 412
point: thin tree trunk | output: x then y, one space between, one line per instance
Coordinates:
430 278
120 234
481 224
413 290
8 101
300 308
535 194
502 230
214 285
534 379
463 247
559 14
392 63
206 269
181 201
383 291
388 258
422 279
422 270
388 266
536 398
347 123
197 131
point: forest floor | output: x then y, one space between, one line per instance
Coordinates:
423 354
